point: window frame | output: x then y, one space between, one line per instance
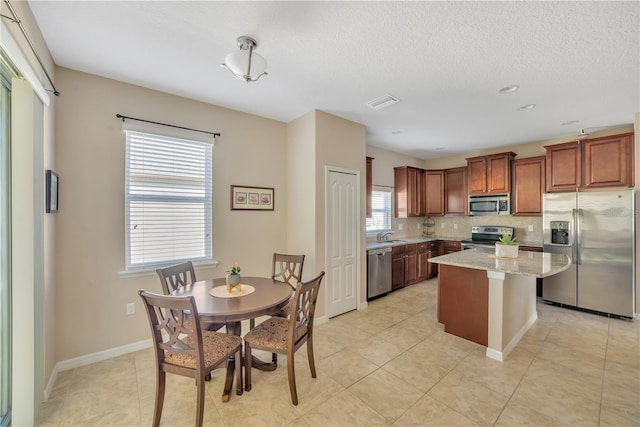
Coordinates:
206 200
386 210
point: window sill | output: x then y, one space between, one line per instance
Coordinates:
152 271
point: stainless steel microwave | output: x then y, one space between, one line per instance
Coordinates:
489 205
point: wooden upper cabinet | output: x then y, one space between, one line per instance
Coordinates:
528 186
490 174
455 181
477 175
564 166
409 193
607 161
434 183
369 187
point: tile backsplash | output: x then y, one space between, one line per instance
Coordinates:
460 226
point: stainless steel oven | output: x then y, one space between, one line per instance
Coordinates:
484 237
489 205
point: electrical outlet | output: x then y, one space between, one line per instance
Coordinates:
418 225
455 226
442 225
131 308
399 226
530 227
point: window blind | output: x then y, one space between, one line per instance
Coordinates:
380 211
168 200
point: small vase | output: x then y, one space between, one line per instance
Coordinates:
233 281
507 251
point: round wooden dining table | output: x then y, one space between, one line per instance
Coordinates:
268 295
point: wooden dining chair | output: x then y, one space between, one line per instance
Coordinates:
177 276
183 348
287 335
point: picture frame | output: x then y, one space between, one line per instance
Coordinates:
247 198
52 182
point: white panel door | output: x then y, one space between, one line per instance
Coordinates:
342 238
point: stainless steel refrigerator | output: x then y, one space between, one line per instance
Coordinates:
596 229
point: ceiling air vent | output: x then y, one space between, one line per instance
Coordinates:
383 102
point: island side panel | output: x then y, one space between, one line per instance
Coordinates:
463 301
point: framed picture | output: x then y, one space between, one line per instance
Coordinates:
52 192
251 198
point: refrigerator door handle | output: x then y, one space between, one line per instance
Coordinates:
579 245
574 239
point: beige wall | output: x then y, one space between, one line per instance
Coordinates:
315 141
340 143
91 297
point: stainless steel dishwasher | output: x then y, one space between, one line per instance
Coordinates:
378 272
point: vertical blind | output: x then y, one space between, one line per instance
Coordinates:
168 188
380 211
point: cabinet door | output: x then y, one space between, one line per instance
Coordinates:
608 161
421 193
432 269
411 267
369 187
564 166
456 191
423 264
498 173
397 267
434 183
477 178
528 186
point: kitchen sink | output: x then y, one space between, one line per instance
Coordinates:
392 241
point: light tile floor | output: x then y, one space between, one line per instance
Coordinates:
391 365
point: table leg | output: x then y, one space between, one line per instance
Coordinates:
233 328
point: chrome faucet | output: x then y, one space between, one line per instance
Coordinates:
384 235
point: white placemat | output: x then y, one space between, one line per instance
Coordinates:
221 291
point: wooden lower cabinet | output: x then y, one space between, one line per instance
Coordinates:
450 246
410 263
463 302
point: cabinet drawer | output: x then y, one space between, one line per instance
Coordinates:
423 246
397 250
411 248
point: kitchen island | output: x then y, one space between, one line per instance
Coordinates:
489 300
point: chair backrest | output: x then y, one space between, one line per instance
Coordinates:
287 268
182 337
176 276
302 309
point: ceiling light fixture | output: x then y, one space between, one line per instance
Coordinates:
508 89
527 107
245 64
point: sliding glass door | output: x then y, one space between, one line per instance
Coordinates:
5 246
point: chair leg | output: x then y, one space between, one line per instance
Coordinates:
239 366
252 323
247 366
200 405
312 363
274 358
291 371
160 387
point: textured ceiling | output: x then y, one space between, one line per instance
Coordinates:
445 61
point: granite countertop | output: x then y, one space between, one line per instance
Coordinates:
407 241
536 264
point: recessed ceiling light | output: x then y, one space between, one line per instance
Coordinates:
439 148
527 107
382 102
570 122
396 132
509 89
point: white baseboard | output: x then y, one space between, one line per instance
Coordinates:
501 355
93 358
